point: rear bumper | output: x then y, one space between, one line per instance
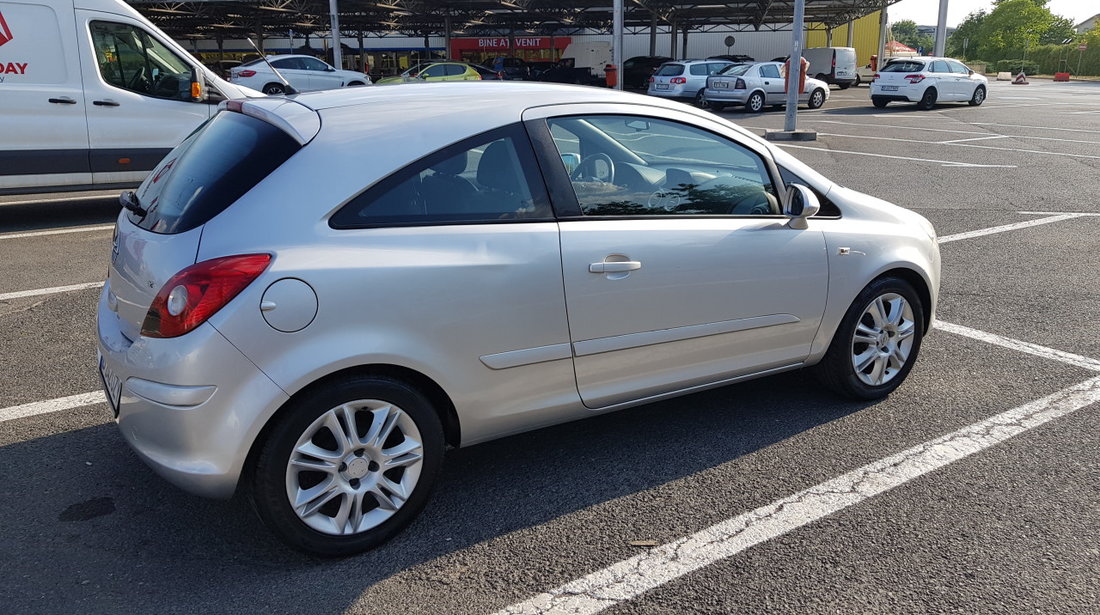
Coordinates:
191 406
678 92
728 97
901 94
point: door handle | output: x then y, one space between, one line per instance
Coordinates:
614 267
64 100
104 103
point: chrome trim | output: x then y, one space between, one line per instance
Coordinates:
662 336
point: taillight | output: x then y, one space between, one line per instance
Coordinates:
739 84
651 79
914 78
195 294
678 80
246 73
874 77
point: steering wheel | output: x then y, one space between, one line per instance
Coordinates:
579 174
139 82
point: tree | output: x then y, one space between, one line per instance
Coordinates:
963 43
1015 26
906 33
1060 30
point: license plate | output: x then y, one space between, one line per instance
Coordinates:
720 84
889 88
662 86
112 385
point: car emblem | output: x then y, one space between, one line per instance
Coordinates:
5 31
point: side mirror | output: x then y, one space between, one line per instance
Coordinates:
197 91
571 161
801 203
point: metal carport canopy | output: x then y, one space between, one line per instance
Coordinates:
237 18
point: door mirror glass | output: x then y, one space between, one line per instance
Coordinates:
801 204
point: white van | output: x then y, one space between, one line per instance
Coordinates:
833 65
93 95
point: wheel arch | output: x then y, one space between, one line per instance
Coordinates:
919 284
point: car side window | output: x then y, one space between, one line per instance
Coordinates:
644 166
698 69
939 66
436 70
131 59
455 69
958 67
313 64
770 71
714 68
288 63
492 177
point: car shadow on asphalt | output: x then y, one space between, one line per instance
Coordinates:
59 214
117 536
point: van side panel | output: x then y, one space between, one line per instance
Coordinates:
45 133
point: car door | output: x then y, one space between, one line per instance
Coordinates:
435 72
679 269
964 85
294 71
773 84
138 87
946 82
321 75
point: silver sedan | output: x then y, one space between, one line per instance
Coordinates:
756 85
312 297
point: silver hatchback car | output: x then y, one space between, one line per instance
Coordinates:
685 79
312 297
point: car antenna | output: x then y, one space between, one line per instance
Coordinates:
287 88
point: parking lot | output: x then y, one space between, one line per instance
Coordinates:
973 488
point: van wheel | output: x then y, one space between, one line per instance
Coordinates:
928 100
274 89
877 342
879 101
755 102
348 465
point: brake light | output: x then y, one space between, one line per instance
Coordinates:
196 293
651 79
914 78
246 73
677 80
874 77
739 84
834 59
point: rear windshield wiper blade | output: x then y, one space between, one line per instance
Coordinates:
129 201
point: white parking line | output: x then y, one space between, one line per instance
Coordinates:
1027 151
51 405
65 231
1047 213
632 577
972 139
946 163
1007 227
48 291
1019 345
1095 132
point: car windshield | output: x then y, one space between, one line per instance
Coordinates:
735 69
670 70
907 66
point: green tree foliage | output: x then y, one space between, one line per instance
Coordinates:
1060 30
1015 25
905 32
963 43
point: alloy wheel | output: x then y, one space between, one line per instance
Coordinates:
883 339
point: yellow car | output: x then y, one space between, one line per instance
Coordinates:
442 71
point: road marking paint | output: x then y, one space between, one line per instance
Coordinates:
972 139
946 163
38 292
1095 132
82 229
632 577
1020 346
1047 213
51 405
1027 151
1007 227
960 132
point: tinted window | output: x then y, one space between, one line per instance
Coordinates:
958 67
698 69
488 178
939 66
650 167
670 70
903 66
210 170
436 70
291 63
131 59
455 69
770 70
313 64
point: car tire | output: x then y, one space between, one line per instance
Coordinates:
700 99
356 84
274 89
859 81
816 99
844 86
347 501
879 101
755 102
717 106
978 97
928 99
877 342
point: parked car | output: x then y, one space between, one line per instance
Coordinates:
442 70
305 73
539 67
833 65
684 79
927 81
93 95
638 70
757 85
512 68
320 342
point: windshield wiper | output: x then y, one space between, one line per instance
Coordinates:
129 201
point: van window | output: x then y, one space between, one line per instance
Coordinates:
131 59
211 169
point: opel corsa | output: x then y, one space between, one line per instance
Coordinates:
312 297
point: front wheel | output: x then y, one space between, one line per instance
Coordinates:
879 101
348 465
877 342
978 97
817 98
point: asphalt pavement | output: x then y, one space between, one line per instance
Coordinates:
1005 522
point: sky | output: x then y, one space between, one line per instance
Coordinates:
926 12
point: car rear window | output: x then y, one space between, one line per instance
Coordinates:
213 167
735 69
904 67
670 70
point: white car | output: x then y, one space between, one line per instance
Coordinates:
287 313
757 85
305 73
927 81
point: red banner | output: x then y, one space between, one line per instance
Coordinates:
493 43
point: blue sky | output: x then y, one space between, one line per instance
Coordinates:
926 12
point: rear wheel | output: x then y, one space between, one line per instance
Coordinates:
877 342
928 100
755 102
978 97
356 83
817 98
879 101
858 80
700 99
348 465
273 89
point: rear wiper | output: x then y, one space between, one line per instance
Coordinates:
129 201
